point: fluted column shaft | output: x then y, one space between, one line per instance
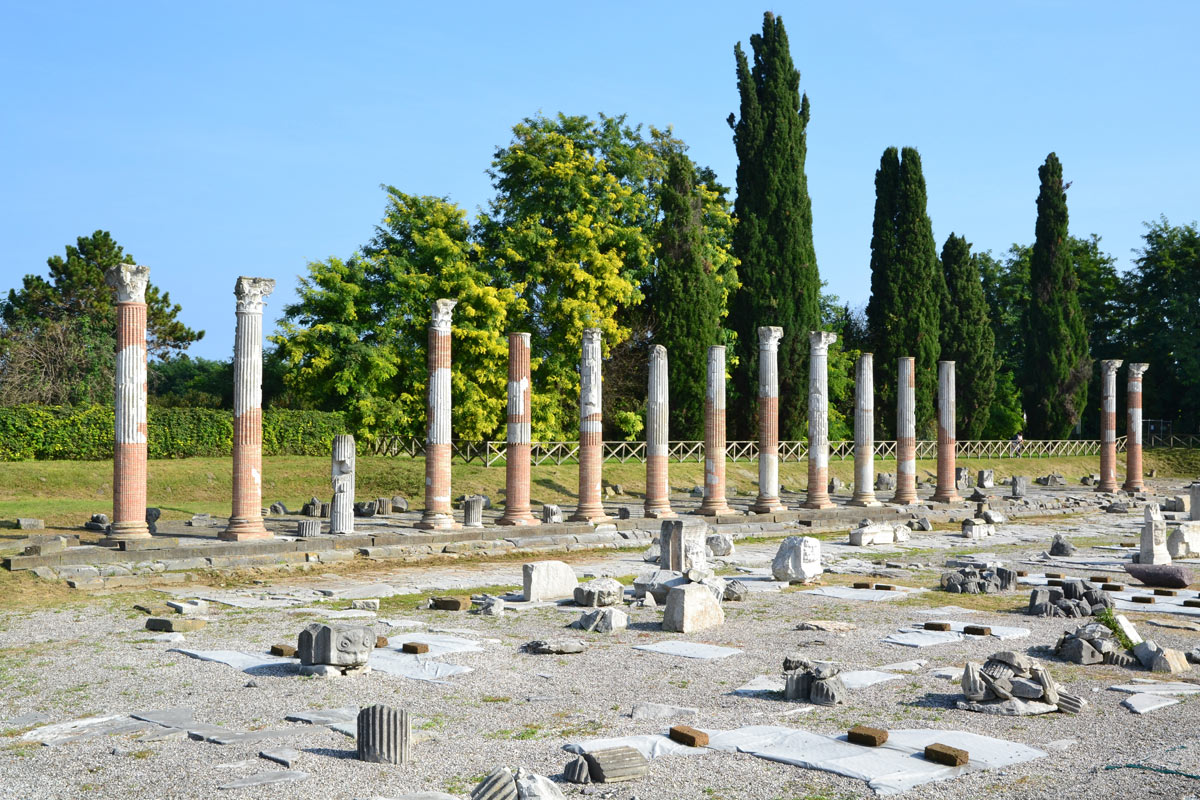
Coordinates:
246 521
438 512
947 489
906 433
517 510
658 492
768 500
1108 425
591 431
864 432
818 419
714 435
1133 430
129 426
341 510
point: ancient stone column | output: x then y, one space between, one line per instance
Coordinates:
864 432
341 510
906 433
768 500
1108 425
714 436
247 521
818 419
947 487
658 492
591 432
384 735
438 511
129 428
517 510
1133 430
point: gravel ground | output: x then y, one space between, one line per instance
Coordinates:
519 709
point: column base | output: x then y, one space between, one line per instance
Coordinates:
524 518
714 509
864 502
436 520
818 505
660 513
245 529
767 505
589 514
1133 488
124 531
1100 487
903 500
946 498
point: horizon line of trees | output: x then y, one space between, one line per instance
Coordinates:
601 223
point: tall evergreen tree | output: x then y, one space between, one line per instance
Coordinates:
773 239
905 318
685 296
1057 363
967 338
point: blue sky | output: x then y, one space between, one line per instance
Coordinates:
219 139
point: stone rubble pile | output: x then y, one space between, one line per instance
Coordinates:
1073 598
816 682
1093 644
969 580
868 533
1010 684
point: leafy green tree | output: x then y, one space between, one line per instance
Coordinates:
907 286
773 239
192 383
1057 365
967 338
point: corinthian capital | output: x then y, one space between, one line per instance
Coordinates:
130 282
251 292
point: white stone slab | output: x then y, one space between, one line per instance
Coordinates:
864 595
862 678
418 668
1156 687
945 611
650 745
1161 605
266 779
328 716
1145 703
1002 632
241 659
763 684
923 638
689 649
63 732
439 644
905 666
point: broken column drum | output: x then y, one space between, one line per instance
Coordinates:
906 432
341 510
947 489
714 435
129 429
517 510
438 511
818 419
864 432
384 735
658 499
591 431
1108 425
1133 430
768 500
247 521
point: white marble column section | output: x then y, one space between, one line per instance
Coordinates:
906 433
1133 430
246 522
438 512
341 510
658 492
714 436
591 431
1108 425
864 432
947 489
768 500
818 419
130 432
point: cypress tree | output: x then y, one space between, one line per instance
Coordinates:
773 238
967 338
905 318
1057 363
685 297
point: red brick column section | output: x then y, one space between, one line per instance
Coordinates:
438 511
947 491
1133 430
1108 425
768 501
658 491
246 522
591 431
714 436
906 433
129 428
818 419
520 435
864 432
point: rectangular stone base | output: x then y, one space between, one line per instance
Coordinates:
153 543
244 536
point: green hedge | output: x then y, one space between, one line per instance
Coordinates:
85 433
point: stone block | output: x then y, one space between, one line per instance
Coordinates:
945 754
866 736
976 528
1171 576
1153 549
604 620
307 528
692 608
1171 661
616 764
937 626
457 602
872 533
335 645
473 512
977 630
552 514
381 641
548 580
689 736
384 735
736 591
284 650
174 624
1018 486
30 524
577 771
599 592
414 648
798 560
499 784
683 544
720 544
986 479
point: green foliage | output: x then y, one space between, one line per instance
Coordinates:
85 433
1005 418
773 239
1108 619
57 362
1057 365
967 338
185 382
907 287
